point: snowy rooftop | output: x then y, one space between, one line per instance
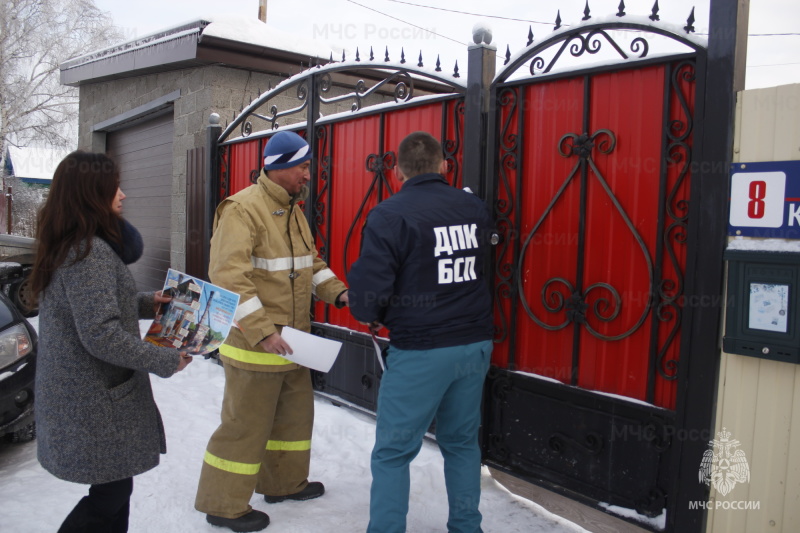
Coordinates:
35 162
253 31
236 28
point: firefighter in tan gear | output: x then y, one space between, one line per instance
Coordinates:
263 250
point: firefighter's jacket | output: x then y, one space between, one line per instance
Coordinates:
262 249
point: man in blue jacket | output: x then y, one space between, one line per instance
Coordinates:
421 273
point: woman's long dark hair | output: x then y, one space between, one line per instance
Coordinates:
78 207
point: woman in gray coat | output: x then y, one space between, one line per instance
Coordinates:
97 422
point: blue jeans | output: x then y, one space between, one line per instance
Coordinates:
445 383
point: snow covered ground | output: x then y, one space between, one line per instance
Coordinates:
34 501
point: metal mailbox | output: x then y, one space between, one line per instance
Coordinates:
763 307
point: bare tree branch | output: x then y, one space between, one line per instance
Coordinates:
36 36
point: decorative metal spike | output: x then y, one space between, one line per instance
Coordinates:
342 56
654 16
331 59
420 59
508 55
438 65
558 20
690 23
621 12
586 11
386 57
358 57
530 36
455 71
402 56
371 55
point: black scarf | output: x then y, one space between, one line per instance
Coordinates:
132 245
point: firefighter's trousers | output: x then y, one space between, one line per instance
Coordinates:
263 443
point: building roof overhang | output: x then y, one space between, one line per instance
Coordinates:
191 45
181 47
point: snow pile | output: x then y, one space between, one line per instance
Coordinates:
163 498
764 245
252 31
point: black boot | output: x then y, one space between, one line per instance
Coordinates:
314 489
252 521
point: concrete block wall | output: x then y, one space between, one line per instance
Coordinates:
203 90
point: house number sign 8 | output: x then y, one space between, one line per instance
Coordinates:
765 199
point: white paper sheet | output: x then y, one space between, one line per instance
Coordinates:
378 352
309 350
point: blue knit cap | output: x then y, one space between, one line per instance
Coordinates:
285 149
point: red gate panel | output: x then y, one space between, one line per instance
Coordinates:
356 170
240 159
629 104
593 177
549 111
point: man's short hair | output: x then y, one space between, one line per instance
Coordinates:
419 153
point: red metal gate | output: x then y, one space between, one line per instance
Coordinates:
592 189
589 173
356 171
592 197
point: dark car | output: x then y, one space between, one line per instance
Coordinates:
18 342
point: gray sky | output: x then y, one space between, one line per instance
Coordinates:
771 59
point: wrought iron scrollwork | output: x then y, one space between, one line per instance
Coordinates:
497 448
607 307
500 385
403 89
323 189
678 154
653 504
504 211
656 433
225 174
591 444
590 36
378 165
452 147
397 81
275 113
589 43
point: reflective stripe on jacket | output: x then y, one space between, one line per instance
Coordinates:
262 249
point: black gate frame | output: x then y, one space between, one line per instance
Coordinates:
557 424
692 423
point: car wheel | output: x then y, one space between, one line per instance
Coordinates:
23 434
22 297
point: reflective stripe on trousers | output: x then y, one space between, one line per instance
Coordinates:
263 443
